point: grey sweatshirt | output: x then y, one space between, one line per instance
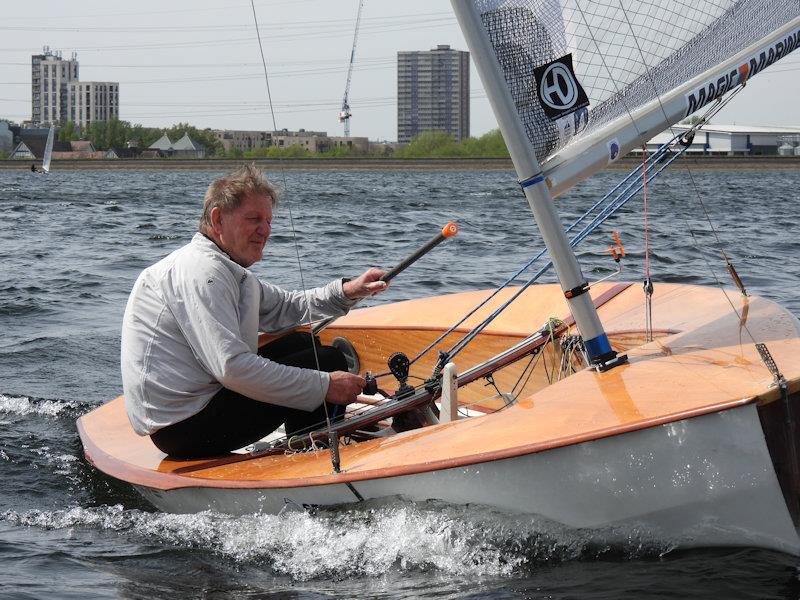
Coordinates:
191 327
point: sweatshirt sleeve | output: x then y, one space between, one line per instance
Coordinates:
281 309
205 306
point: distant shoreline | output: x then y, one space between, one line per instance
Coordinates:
385 164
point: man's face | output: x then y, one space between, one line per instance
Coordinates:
243 232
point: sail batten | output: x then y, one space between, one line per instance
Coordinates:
577 70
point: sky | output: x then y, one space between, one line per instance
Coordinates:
198 61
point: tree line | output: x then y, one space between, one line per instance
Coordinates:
116 133
439 144
430 144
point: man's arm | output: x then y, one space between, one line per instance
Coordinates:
281 309
204 305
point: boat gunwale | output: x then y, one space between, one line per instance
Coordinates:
166 481
511 334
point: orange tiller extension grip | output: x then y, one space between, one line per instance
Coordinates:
448 231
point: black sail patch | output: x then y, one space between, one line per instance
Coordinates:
558 89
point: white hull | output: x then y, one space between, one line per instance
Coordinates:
704 481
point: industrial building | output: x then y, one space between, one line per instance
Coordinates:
744 140
433 93
313 141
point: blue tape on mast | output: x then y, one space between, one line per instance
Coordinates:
531 181
597 346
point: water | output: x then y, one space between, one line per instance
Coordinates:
71 245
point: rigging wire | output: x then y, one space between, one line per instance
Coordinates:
528 264
607 212
599 219
291 215
648 282
624 196
614 205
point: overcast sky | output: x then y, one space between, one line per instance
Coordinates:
199 61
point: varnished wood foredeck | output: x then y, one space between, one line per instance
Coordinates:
703 361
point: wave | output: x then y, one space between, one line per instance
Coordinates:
373 539
22 309
22 406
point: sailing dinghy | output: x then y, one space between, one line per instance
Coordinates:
610 405
48 149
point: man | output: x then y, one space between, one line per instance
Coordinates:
193 376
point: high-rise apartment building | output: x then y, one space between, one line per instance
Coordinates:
57 96
433 93
93 101
50 79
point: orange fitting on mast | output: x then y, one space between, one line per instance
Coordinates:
619 244
618 252
450 230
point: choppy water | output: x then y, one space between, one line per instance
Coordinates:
71 245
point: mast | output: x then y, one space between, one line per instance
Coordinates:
533 184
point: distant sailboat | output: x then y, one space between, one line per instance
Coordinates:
48 150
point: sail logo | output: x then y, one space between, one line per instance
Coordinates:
558 89
572 125
613 150
757 62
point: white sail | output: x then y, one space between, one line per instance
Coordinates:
639 66
48 149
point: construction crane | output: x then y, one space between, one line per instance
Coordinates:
345 114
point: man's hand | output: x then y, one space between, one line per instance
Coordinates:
344 387
367 284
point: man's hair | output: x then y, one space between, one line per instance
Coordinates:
228 192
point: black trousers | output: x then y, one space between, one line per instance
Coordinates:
231 420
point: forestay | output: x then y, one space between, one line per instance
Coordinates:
606 75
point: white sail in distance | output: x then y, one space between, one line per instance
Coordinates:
593 79
48 149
